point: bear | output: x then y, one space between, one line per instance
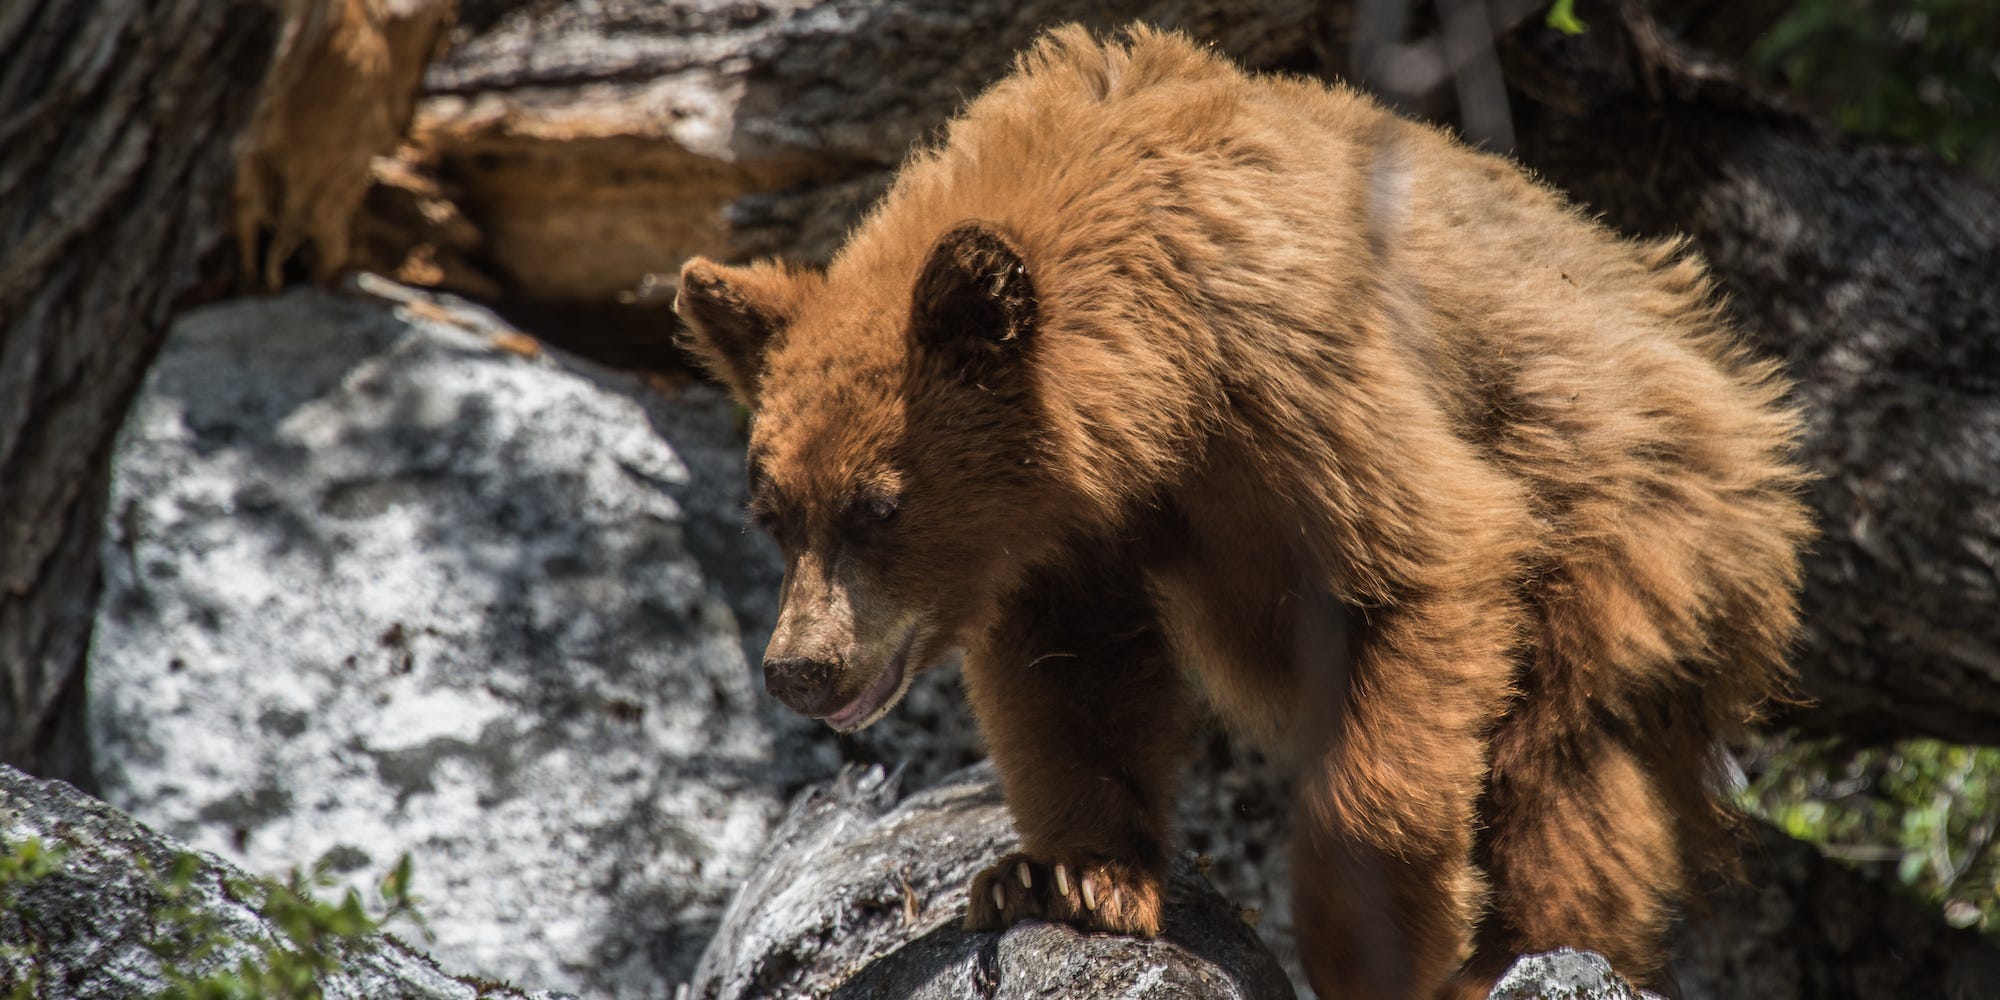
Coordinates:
1165 391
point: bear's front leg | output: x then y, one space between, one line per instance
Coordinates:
1392 753
1086 719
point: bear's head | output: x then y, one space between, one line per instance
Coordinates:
893 453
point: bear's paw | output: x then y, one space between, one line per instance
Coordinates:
1089 893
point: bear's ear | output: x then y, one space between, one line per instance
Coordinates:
974 293
732 314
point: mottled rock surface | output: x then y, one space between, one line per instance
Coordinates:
375 584
91 929
1564 975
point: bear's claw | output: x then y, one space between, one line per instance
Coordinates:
1090 894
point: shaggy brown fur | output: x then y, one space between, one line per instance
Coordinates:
1153 370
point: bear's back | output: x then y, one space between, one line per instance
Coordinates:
1093 149
1183 217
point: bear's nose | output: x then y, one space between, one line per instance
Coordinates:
804 684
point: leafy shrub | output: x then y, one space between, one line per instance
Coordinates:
1923 813
1925 72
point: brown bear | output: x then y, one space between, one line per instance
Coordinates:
1156 383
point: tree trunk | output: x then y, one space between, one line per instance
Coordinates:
1871 271
117 120
123 125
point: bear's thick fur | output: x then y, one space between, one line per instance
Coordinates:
1154 381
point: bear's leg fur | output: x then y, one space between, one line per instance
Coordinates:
1086 719
1583 837
1392 768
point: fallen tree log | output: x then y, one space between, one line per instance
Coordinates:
864 896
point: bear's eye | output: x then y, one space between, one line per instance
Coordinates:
873 508
879 508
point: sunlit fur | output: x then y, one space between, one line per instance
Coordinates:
1474 510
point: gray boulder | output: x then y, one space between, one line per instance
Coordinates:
97 926
376 584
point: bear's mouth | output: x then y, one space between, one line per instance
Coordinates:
882 695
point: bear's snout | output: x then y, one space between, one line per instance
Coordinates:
806 686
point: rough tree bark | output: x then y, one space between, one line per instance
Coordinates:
116 119
1868 269
119 190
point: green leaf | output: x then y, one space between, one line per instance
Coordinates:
1562 17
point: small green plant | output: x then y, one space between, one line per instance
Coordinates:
23 864
1562 17
26 862
1921 812
311 932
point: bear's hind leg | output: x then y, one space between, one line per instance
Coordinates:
1581 846
1086 719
